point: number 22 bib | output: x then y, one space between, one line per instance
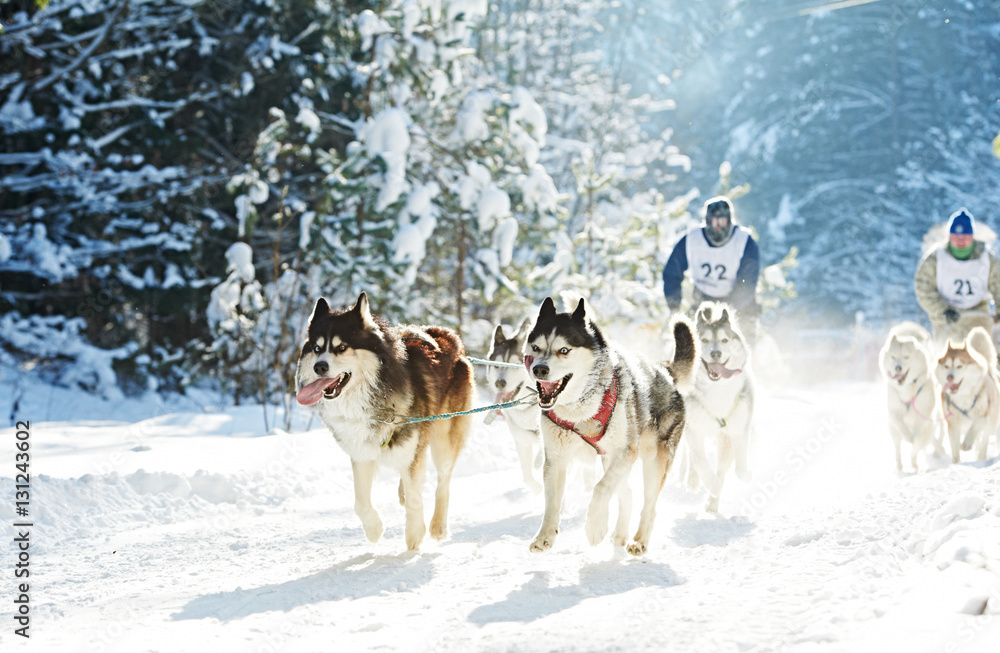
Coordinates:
713 269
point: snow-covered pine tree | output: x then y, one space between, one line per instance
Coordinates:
620 178
118 122
858 129
395 165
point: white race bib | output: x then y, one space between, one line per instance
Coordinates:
713 269
962 284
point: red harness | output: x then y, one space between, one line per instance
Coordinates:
592 430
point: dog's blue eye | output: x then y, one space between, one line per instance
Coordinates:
564 351
317 349
535 348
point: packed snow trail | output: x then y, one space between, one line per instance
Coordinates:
195 531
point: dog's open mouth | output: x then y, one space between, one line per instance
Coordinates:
504 397
548 391
323 388
900 377
952 387
718 371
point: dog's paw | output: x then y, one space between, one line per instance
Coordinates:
414 536
439 530
533 486
637 548
542 543
712 505
619 539
373 528
597 525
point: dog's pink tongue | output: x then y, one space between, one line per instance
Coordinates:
548 388
314 391
722 371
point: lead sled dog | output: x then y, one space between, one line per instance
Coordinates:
354 367
970 392
720 407
912 396
595 398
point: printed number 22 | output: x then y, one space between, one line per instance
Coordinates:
721 269
963 284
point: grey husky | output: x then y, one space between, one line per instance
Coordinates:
596 399
510 383
355 367
721 405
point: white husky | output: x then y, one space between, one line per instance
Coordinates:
720 407
914 401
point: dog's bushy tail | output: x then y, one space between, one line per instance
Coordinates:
682 367
980 342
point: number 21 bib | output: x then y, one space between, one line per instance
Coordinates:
713 269
962 284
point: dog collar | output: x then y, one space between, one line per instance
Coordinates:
592 430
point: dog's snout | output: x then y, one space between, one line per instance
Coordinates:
321 367
899 368
716 354
950 377
500 384
540 371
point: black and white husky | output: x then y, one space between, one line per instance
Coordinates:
511 383
720 407
355 367
595 399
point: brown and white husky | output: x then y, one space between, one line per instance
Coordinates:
352 368
970 392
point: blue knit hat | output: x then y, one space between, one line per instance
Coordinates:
961 223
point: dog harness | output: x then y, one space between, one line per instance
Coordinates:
593 429
952 404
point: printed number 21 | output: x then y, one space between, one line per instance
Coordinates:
963 284
721 269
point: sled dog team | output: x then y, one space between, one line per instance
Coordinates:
360 375
952 389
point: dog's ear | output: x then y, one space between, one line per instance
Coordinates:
704 314
725 316
320 309
498 336
580 314
364 311
548 309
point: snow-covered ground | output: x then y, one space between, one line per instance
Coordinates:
184 528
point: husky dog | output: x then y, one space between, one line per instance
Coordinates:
594 398
720 407
509 384
970 392
354 367
913 399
